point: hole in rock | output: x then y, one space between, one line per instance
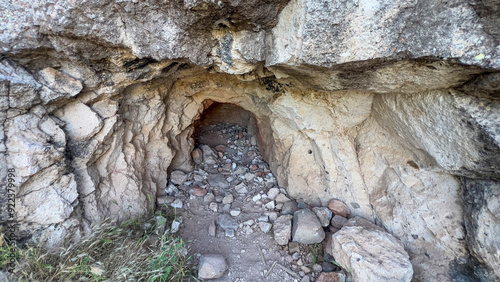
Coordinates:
231 199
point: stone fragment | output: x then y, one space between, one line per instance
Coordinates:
265 226
283 229
197 156
209 197
257 197
226 208
331 277
270 205
229 233
338 221
208 155
214 207
273 193
264 218
339 208
324 215
305 279
225 221
211 266
228 199
197 191
370 253
289 207
218 181
171 190
282 198
175 226
178 177
79 128
212 228
61 84
249 176
306 227
235 212
177 204
241 188
317 268
293 247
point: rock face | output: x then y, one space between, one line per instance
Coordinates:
370 253
390 107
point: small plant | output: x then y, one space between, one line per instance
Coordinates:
338 264
126 252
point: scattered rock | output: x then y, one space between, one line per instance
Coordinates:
264 218
273 193
257 197
339 208
212 228
293 247
197 191
281 198
197 156
209 197
175 226
324 215
177 204
332 277
317 268
228 199
338 221
241 188
214 207
283 229
218 181
370 253
208 155
306 228
235 212
225 221
265 226
289 207
178 177
270 205
211 266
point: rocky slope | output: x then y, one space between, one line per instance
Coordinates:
392 107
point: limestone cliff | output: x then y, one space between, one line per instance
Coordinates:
392 107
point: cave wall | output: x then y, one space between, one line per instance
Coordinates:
390 106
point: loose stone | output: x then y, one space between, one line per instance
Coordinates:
211 266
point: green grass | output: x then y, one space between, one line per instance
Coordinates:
127 252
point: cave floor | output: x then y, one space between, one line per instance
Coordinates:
236 182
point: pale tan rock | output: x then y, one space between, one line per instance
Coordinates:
370 253
61 84
77 127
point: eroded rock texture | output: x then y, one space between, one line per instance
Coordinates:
391 107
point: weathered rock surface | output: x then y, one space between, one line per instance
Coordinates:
306 228
370 253
283 229
382 105
211 266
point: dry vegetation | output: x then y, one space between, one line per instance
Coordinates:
137 250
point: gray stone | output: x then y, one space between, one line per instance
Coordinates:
306 228
281 198
62 85
225 221
209 197
208 155
235 212
338 221
214 207
241 188
176 225
177 204
212 228
228 199
265 226
218 181
324 215
370 253
283 229
289 207
273 193
211 266
178 177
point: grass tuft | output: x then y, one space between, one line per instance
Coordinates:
127 252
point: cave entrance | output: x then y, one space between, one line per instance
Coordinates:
223 124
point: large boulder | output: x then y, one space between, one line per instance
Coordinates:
370 253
